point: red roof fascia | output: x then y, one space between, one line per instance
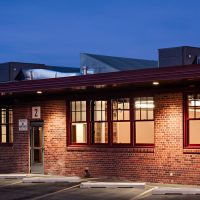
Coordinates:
125 77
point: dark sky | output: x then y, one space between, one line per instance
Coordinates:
55 32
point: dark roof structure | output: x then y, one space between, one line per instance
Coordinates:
115 63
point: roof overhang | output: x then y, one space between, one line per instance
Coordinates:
144 78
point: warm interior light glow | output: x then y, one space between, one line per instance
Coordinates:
195 103
39 92
140 104
155 83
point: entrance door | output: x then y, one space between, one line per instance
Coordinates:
37 148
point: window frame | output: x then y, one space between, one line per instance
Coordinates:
90 141
8 125
142 120
117 120
92 121
71 122
186 120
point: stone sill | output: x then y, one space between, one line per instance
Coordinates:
192 151
111 149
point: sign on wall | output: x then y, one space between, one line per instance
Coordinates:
23 125
36 112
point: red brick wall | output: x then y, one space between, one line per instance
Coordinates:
54 116
168 162
15 158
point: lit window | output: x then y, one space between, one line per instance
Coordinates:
144 120
6 130
78 122
193 120
99 121
121 121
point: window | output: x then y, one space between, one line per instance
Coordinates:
144 120
121 121
193 120
99 123
6 125
78 122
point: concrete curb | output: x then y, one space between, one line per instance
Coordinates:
164 191
111 185
51 180
12 176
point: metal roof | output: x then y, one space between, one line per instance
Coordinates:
122 64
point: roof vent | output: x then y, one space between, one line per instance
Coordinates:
84 70
198 59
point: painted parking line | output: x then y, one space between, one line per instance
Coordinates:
56 192
15 183
140 196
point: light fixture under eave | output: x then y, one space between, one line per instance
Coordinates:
155 83
39 92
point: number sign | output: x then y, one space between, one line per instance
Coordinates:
36 112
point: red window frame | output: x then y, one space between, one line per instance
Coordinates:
187 119
140 119
116 119
90 137
93 120
8 124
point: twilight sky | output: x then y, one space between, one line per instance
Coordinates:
55 32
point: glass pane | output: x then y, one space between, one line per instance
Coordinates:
150 114
3 133
104 105
73 106
126 104
114 104
3 116
144 132
137 114
78 106
83 116
126 115
191 112
78 133
97 115
143 114
194 132
83 104
73 116
37 134
197 112
101 132
121 132
104 116
97 105
120 115
114 114
37 155
78 116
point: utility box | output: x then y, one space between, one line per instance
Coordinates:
184 55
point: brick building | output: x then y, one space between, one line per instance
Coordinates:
139 125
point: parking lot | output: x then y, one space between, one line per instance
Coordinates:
14 189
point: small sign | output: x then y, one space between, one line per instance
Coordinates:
23 125
36 112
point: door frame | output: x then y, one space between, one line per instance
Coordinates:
36 124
